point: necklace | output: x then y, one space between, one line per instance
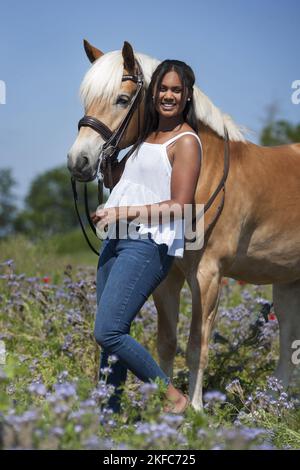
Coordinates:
173 129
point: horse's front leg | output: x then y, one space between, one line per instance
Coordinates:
205 287
167 301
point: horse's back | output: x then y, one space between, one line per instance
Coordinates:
278 165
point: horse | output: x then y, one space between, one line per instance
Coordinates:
255 237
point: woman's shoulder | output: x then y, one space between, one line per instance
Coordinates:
186 127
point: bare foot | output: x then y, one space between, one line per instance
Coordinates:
176 401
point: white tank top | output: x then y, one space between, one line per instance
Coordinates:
146 179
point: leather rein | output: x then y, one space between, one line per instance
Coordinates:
110 150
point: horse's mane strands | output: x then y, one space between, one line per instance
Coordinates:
103 79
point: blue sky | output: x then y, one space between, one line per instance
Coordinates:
245 55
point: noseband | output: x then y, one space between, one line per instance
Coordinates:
110 149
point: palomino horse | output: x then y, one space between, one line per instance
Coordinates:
256 236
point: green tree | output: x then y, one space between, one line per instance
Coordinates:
49 206
8 206
280 132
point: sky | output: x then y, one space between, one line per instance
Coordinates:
245 55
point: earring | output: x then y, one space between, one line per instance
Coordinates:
189 99
153 97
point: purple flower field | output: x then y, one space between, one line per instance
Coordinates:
50 396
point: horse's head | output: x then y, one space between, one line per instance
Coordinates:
107 97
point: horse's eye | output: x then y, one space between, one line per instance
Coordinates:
123 100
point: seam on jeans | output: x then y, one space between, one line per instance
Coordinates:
125 302
163 257
140 359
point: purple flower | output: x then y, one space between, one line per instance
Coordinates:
57 431
65 390
37 388
214 396
112 359
147 389
61 408
106 370
8 262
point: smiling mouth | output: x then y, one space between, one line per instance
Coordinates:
168 105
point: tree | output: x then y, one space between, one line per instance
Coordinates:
280 132
49 206
8 206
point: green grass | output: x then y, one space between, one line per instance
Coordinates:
48 256
47 327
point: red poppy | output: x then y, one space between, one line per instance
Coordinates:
272 316
46 280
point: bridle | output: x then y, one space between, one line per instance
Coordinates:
110 149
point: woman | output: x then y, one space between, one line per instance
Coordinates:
161 173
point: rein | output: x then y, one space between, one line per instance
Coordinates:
221 186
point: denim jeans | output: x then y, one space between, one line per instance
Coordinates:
128 272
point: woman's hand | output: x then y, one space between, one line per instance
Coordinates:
104 217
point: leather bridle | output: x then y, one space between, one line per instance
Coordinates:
110 149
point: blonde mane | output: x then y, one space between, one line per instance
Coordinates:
104 77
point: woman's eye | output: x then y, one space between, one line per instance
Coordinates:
177 90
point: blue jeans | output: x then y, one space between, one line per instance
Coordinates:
128 272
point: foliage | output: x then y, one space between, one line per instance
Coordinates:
51 398
8 206
47 255
280 132
49 207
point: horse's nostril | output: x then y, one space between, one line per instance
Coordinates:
82 161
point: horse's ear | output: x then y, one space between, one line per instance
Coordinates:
128 56
92 52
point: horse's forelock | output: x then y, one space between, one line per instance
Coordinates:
103 79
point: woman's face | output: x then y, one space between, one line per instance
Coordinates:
170 101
